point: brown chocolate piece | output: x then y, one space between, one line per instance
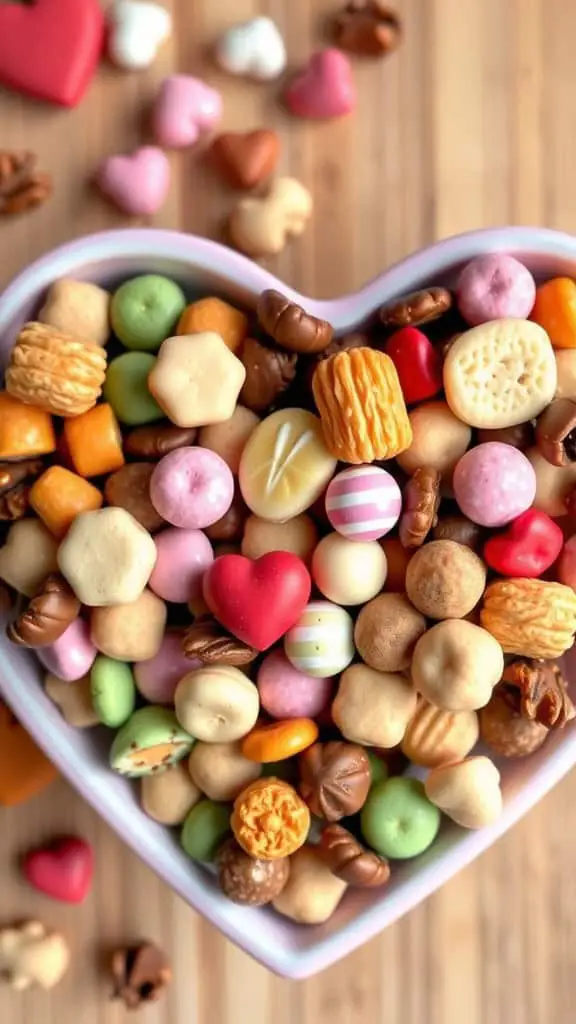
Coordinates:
269 372
151 443
367 28
21 185
211 643
459 529
248 880
231 526
503 728
47 616
420 507
556 432
334 779
417 308
290 326
245 159
15 482
350 861
520 436
129 488
543 692
141 973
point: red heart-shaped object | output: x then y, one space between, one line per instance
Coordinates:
50 48
324 89
527 548
257 601
418 364
62 870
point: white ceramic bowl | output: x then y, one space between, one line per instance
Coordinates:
290 950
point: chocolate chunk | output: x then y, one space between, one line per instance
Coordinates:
47 616
269 372
156 440
350 861
290 326
334 779
416 308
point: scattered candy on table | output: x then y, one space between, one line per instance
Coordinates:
185 108
62 870
262 225
136 31
253 48
137 184
324 89
31 954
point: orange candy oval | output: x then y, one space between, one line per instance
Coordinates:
555 311
279 740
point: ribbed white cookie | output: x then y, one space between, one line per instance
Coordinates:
500 373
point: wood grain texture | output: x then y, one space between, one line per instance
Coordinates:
469 124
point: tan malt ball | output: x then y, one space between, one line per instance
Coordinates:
445 580
440 440
386 632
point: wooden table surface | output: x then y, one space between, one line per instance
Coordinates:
470 124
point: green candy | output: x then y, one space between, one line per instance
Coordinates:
205 828
126 389
378 767
398 820
151 740
145 311
113 691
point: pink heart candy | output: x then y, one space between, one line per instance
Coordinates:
325 88
138 184
185 107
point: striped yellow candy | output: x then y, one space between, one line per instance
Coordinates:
321 643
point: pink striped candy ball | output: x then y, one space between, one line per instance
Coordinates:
363 502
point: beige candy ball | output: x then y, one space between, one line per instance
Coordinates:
130 632
298 535
348 572
220 770
439 440
435 736
553 483
566 368
217 703
445 580
196 379
169 796
107 557
373 708
28 556
468 791
78 308
312 892
228 439
386 631
73 699
456 665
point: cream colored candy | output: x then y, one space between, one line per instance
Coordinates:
78 308
566 368
312 892
553 483
169 796
285 466
73 699
196 379
107 557
261 226
228 439
28 556
439 440
500 373
435 736
217 703
298 535
220 770
130 632
31 955
456 665
348 572
373 708
468 791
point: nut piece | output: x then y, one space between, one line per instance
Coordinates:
47 616
290 326
269 819
334 779
367 28
15 482
416 308
141 973
250 881
504 730
461 530
386 632
312 892
21 185
445 580
556 432
532 618
420 507
468 792
129 488
543 692
53 371
156 440
268 373
435 736
350 861
211 643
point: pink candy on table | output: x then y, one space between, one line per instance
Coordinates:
287 693
138 184
182 558
158 677
192 488
71 656
324 88
184 108
494 286
363 503
494 483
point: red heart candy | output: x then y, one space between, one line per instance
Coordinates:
527 548
50 49
63 870
325 88
257 601
417 363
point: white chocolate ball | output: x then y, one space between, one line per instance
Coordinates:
348 572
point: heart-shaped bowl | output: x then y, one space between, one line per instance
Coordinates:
201 266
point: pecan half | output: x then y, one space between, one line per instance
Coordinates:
421 503
21 185
543 692
208 641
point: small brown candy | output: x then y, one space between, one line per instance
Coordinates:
350 861
269 372
15 482
47 616
129 488
141 973
290 326
151 443
556 432
248 880
334 779
367 28
231 526
461 530
211 643
416 308
543 692
420 507
504 730
520 436
245 159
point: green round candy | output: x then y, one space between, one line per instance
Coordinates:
205 828
378 768
145 311
126 389
398 820
113 691
151 740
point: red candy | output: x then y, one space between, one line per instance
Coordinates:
417 362
529 546
63 870
257 601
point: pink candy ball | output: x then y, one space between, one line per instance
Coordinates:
494 483
182 559
287 693
567 564
192 488
495 286
363 503
158 677
70 656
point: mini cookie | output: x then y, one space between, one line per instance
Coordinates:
363 503
78 308
505 731
321 642
270 820
191 488
228 439
28 556
70 656
312 892
74 700
196 379
456 665
468 791
217 703
206 827
373 708
494 483
113 691
439 439
169 796
250 881
131 631
348 572
334 779
220 770
298 535
435 736
262 225
286 692
518 373
31 955
212 314
386 632
445 580
151 741
530 617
